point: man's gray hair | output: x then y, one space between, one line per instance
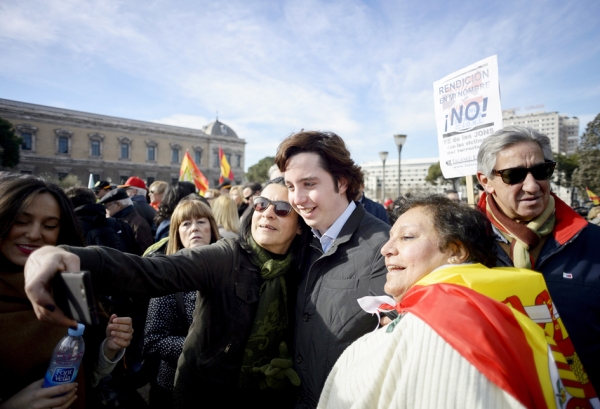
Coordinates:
138 190
502 139
125 202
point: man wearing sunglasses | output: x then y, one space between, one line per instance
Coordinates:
344 262
538 231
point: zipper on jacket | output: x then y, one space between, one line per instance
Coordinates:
227 348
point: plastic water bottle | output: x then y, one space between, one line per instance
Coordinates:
66 358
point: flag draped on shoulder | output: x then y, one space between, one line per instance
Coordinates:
504 323
593 197
189 172
226 172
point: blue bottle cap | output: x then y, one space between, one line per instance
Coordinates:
77 332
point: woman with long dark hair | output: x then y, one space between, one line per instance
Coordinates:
35 213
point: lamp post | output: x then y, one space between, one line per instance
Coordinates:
383 156
399 139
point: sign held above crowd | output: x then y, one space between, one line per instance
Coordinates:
467 110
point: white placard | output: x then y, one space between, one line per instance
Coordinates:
467 110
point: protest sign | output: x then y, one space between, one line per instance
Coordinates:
467 110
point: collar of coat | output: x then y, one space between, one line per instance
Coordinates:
568 222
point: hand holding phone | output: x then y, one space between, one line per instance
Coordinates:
74 295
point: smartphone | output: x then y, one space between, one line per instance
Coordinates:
74 295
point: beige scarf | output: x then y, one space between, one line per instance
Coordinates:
522 238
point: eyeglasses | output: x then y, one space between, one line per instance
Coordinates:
512 176
280 208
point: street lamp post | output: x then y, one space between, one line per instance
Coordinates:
383 156
399 139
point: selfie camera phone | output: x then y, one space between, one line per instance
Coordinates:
74 296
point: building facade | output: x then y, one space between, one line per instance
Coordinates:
413 174
562 130
60 142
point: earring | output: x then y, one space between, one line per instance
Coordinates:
452 260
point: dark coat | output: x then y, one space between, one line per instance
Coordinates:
375 209
141 229
145 210
100 230
570 264
228 285
328 317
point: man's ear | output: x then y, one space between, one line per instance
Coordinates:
342 186
485 182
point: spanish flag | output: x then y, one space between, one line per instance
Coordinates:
503 322
226 172
189 172
592 197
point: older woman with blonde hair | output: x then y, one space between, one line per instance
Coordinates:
156 191
226 215
170 316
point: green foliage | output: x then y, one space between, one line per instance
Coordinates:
588 172
436 178
260 171
68 181
9 145
565 166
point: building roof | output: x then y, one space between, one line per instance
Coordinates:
218 128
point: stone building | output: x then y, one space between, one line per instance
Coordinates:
60 142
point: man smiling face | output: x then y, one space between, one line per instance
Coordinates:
313 193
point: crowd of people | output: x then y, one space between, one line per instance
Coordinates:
299 293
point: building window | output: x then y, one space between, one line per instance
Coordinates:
27 140
151 153
27 133
62 175
198 157
228 156
217 162
123 179
149 180
63 144
95 145
63 141
125 147
174 155
124 151
238 161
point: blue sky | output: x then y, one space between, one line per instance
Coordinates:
362 69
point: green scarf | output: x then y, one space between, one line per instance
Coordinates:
271 318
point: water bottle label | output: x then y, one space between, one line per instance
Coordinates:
60 375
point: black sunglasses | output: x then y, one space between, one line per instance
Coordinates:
512 176
280 208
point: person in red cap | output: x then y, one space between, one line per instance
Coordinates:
136 190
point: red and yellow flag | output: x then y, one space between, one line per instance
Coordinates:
593 197
189 172
226 172
503 322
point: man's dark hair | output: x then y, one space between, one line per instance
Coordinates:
254 186
457 224
80 196
334 157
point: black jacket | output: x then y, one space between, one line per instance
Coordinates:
328 317
100 230
228 287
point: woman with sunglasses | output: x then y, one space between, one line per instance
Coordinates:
236 349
